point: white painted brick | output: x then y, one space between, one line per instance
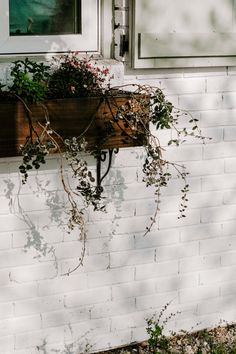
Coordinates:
156 238
38 305
196 323
184 153
90 264
33 273
62 285
133 289
216 214
171 220
18 292
155 301
198 293
220 305
229 133
138 224
155 270
219 150
121 259
5 240
113 339
36 338
218 118
176 282
229 100
133 320
228 258
199 232
6 310
201 102
175 186
218 276
183 86
205 167
230 165
218 182
218 245
111 308
115 243
87 330
7 344
194 264
64 317
5 277
19 324
88 297
11 222
221 84
229 197
178 251
228 228
228 288
110 277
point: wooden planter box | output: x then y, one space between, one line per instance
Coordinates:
68 117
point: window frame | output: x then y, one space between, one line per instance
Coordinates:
87 41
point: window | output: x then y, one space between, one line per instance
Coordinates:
181 33
33 26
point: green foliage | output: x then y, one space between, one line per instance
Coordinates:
29 80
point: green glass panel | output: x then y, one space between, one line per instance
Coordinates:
44 17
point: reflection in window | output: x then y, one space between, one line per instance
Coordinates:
44 17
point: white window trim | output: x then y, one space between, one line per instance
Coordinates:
88 41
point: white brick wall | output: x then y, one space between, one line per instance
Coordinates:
126 276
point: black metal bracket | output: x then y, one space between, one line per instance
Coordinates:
101 157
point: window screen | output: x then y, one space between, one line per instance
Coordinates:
44 17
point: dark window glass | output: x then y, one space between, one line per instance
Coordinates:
44 17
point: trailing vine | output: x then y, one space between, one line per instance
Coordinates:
141 107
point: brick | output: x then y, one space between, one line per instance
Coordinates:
219 150
155 301
176 282
19 324
36 338
33 273
220 84
169 220
120 259
218 182
198 293
63 317
155 270
111 308
205 167
184 153
217 276
195 264
200 232
217 214
38 305
115 243
7 344
62 285
230 165
228 288
183 86
218 245
88 297
220 305
201 102
229 197
229 100
157 238
5 240
133 289
218 118
178 251
229 133
6 310
113 339
133 320
18 292
228 228
90 264
110 277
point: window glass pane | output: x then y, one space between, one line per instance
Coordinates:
44 17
